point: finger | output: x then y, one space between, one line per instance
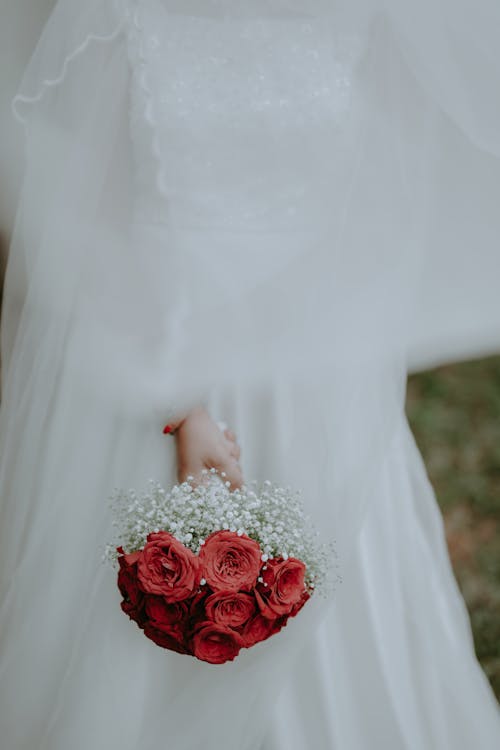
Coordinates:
192 473
231 470
233 447
234 475
235 451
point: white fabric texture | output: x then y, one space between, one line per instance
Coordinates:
256 204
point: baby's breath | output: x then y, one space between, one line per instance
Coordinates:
271 515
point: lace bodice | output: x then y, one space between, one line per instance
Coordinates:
231 110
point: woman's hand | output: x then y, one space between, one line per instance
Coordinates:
201 444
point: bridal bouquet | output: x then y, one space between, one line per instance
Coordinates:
208 571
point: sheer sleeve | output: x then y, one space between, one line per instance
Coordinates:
453 52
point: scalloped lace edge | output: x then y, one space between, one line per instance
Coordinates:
21 99
136 30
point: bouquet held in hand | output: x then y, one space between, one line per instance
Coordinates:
207 571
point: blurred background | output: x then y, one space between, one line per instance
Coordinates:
454 412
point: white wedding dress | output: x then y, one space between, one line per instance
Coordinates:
222 114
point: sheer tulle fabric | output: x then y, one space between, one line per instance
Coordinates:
114 321
414 95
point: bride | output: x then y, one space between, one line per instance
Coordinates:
264 212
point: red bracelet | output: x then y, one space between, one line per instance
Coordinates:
172 427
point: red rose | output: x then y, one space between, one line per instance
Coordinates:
133 597
128 559
259 628
230 608
215 644
169 617
230 562
168 568
165 640
197 605
297 607
285 587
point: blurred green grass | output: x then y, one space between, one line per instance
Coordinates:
454 412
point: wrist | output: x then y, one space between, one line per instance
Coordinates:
175 424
